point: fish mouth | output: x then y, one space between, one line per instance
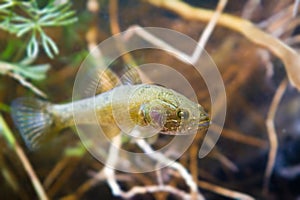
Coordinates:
204 123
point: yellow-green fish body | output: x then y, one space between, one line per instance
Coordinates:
122 107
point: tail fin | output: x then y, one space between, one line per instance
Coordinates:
32 119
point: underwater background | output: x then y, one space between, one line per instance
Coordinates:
43 44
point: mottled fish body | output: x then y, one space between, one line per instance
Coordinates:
126 105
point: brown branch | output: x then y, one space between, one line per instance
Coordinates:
155 188
202 41
272 133
127 58
239 137
289 57
24 160
223 191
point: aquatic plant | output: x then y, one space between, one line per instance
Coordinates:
29 18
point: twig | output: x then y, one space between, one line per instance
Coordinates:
266 59
26 164
242 138
97 177
106 79
279 23
193 154
8 175
27 84
175 165
272 133
194 58
278 16
208 30
55 172
155 188
7 69
108 171
224 160
289 57
115 29
295 40
292 25
223 191
296 7
114 22
157 42
60 174
249 8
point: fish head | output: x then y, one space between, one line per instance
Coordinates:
175 114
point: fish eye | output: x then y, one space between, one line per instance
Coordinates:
183 114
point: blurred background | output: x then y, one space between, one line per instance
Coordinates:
44 42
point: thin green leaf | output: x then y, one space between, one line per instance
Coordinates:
49 16
49 45
34 21
32 47
20 19
4 107
5 131
37 72
5 6
65 16
23 31
63 23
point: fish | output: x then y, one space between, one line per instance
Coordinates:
126 105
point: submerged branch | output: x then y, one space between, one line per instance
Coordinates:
272 133
224 191
24 160
289 56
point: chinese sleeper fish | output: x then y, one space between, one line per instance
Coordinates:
148 106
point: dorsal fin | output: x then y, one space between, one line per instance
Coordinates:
131 76
107 81
102 81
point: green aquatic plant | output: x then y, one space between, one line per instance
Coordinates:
22 71
30 18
